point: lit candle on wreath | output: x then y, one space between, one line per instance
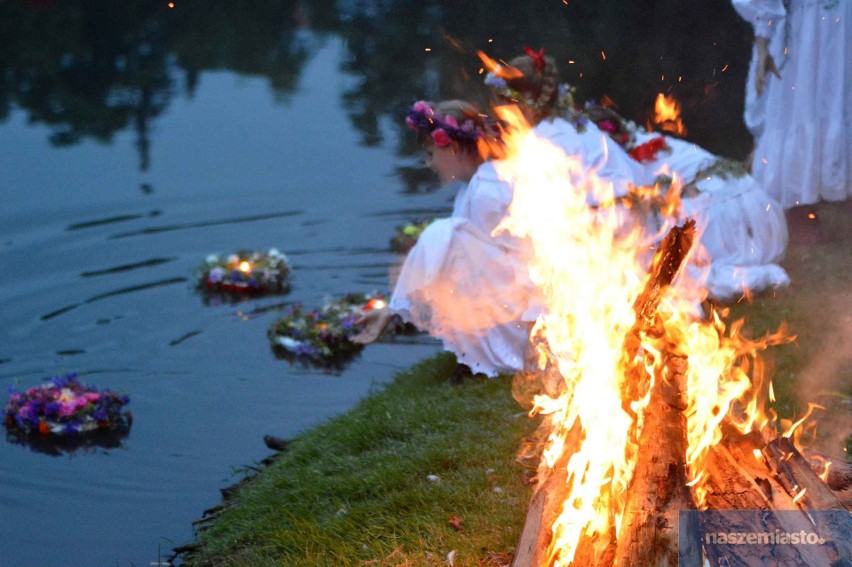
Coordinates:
374 303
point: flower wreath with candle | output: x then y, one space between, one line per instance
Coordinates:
246 272
321 336
64 406
444 129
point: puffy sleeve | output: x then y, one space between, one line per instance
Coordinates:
488 199
764 15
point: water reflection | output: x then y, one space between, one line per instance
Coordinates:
92 69
101 442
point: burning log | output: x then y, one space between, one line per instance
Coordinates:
667 261
536 538
796 476
837 473
649 535
739 480
659 488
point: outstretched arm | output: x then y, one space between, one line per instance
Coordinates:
374 323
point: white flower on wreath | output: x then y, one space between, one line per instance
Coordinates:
213 259
288 343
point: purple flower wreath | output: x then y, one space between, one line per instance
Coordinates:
65 406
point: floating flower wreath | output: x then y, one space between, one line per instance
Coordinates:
65 407
246 272
406 236
321 336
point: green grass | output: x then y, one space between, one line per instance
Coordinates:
355 490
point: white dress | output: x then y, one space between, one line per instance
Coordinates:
802 123
471 289
743 230
599 154
466 287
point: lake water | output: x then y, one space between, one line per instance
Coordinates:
137 139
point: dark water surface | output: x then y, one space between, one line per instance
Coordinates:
137 139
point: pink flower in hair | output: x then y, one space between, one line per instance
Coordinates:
410 122
451 121
421 106
441 138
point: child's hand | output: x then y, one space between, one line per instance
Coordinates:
374 322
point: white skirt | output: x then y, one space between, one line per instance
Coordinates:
470 290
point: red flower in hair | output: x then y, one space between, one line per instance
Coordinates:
537 57
441 138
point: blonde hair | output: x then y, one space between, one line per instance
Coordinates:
539 87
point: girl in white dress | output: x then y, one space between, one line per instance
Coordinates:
799 98
743 229
460 283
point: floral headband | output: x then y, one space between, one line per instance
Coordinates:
424 117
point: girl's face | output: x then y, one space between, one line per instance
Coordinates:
450 163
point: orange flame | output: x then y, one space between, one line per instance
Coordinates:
667 115
590 265
499 69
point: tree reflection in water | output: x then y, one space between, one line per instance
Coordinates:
89 69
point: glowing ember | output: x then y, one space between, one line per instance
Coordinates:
667 115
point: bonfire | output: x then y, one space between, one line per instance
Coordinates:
649 408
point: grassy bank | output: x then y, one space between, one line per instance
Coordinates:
357 490
361 489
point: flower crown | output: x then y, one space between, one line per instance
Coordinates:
424 117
